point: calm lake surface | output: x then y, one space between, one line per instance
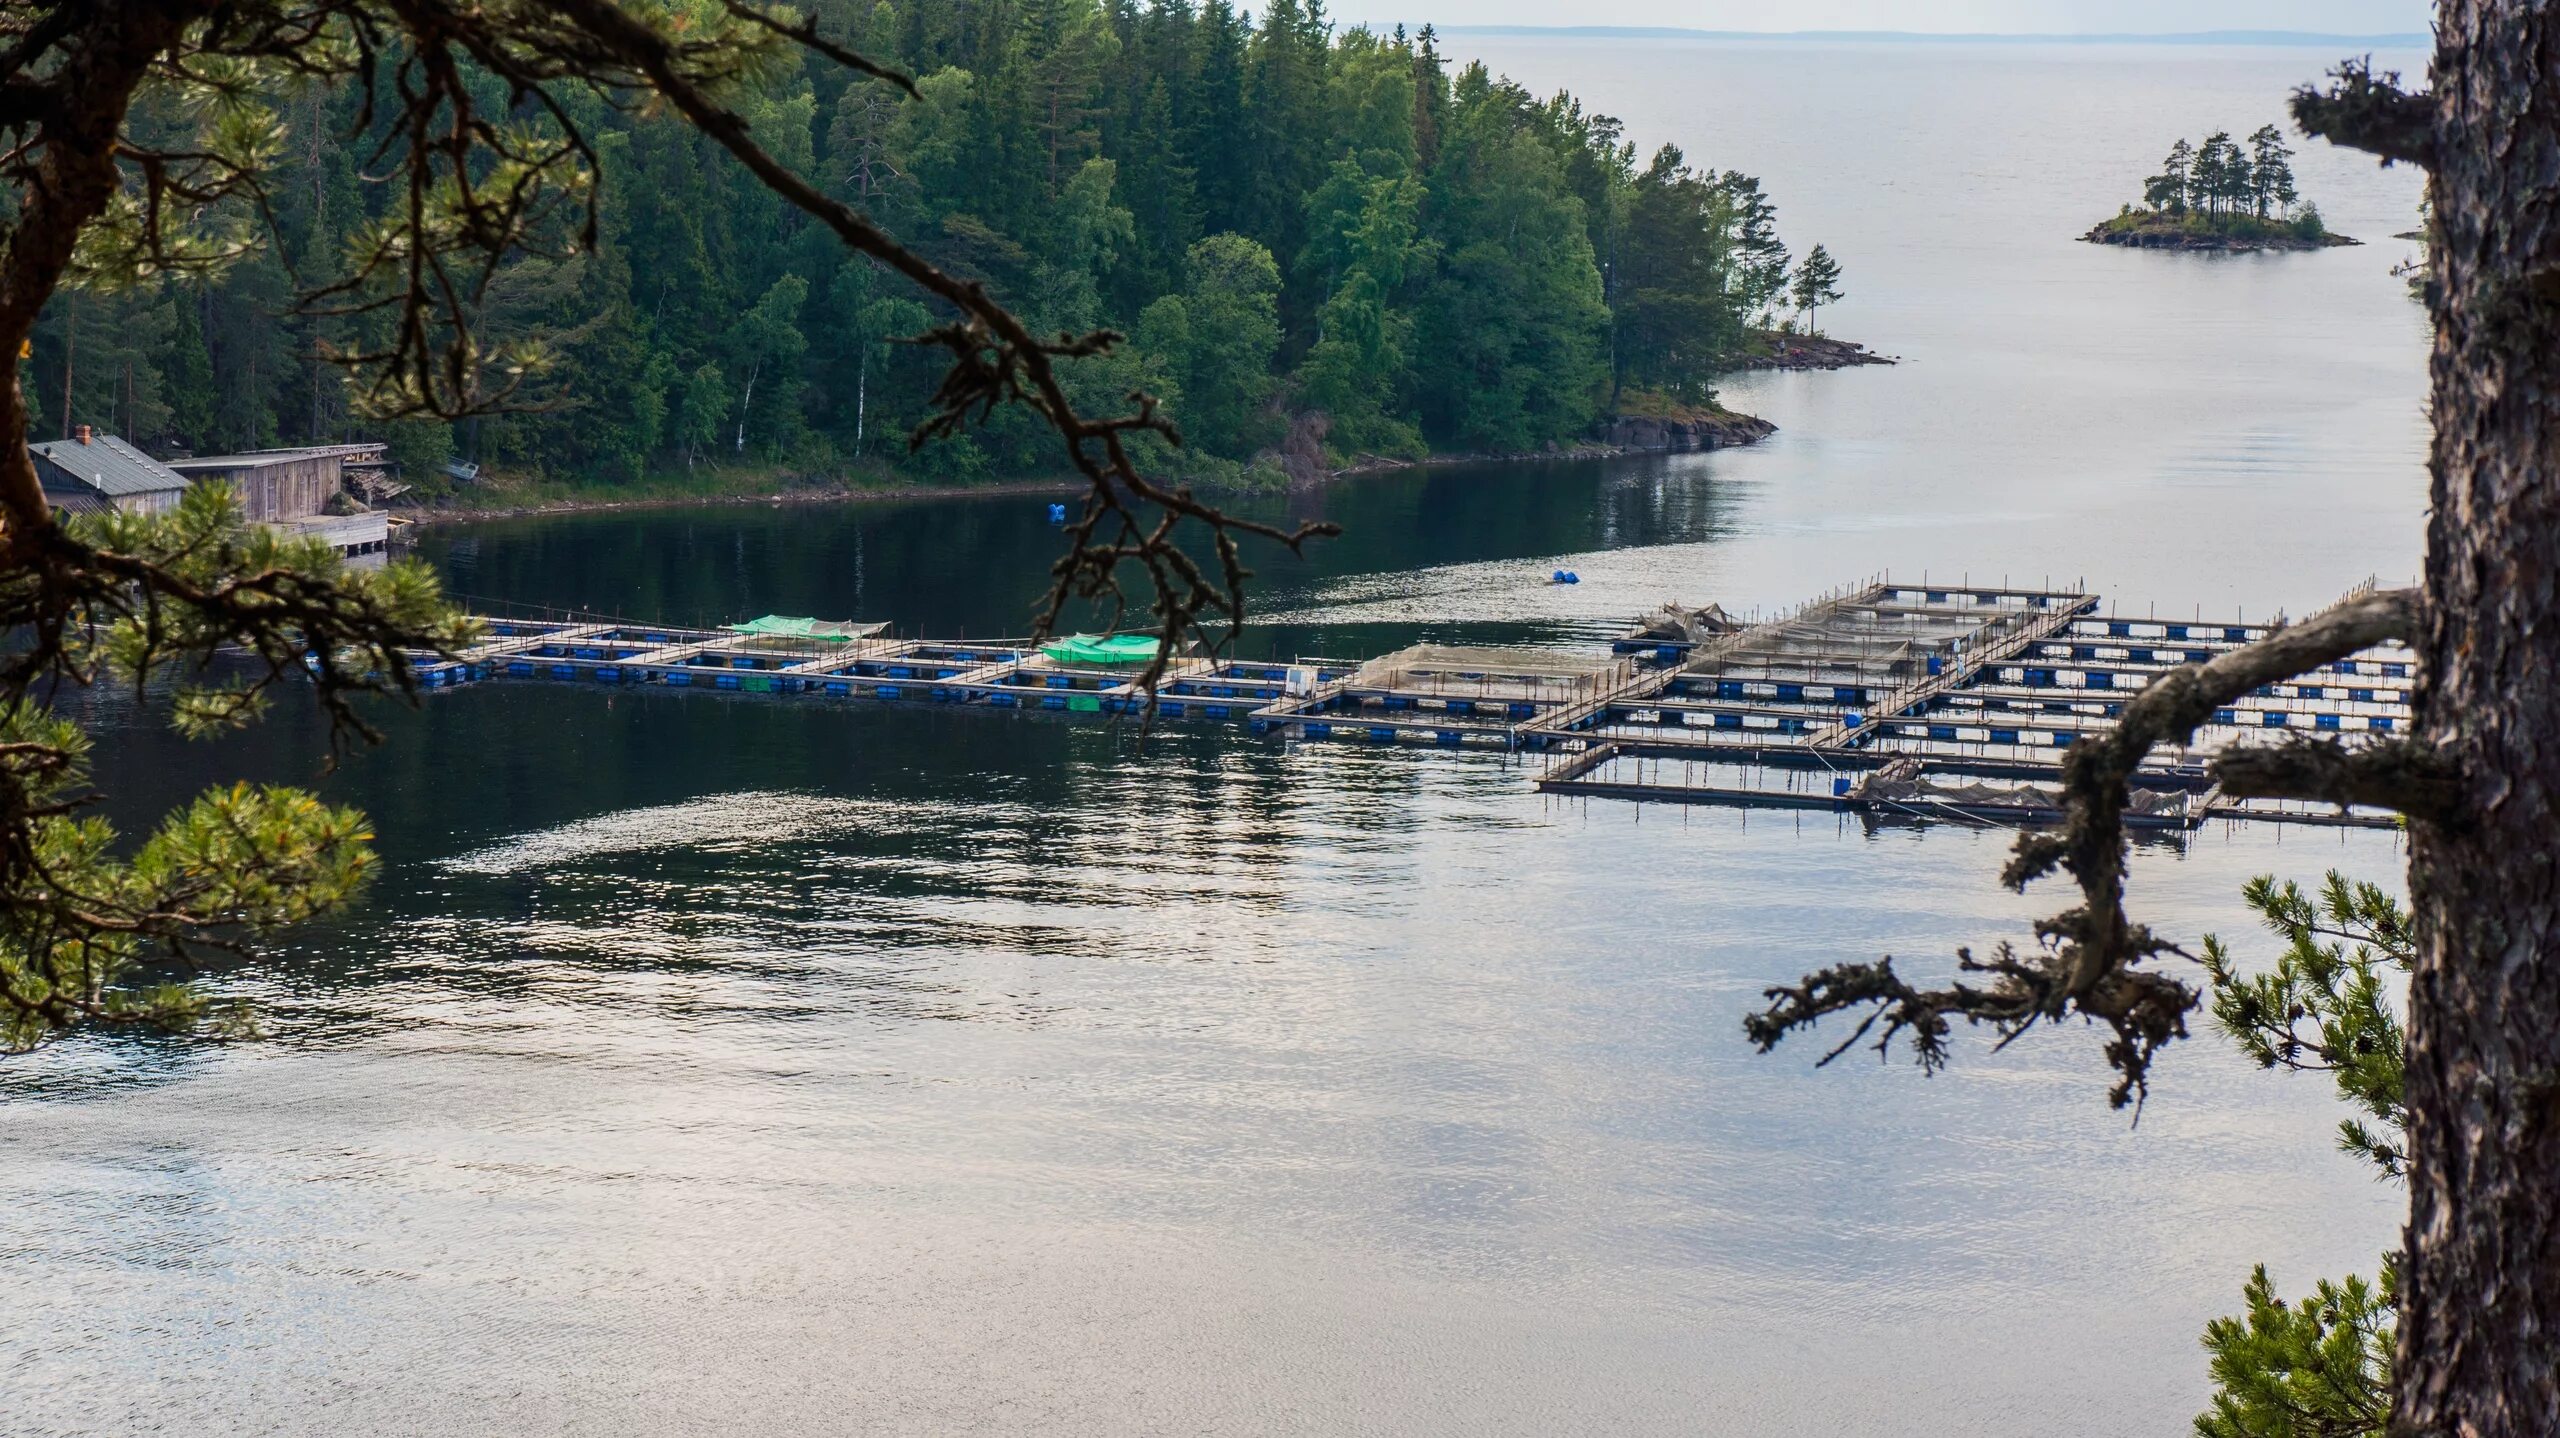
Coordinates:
708 1065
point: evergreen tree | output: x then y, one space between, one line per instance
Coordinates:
1286 128
1817 283
2271 190
1759 258
2221 174
186 372
1068 44
1217 133
1430 98
2168 191
2321 1366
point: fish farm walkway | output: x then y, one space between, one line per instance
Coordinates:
1882 698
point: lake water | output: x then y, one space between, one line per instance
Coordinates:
709 1065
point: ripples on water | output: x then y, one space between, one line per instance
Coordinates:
708 1064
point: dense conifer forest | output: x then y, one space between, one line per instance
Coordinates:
1285 217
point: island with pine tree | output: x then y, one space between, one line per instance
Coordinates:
2218 196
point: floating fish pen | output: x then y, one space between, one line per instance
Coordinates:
1448 696
858 664
1882 698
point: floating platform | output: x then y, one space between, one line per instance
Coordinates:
1883 698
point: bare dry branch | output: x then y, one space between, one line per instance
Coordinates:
2090 958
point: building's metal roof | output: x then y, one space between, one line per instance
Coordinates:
261 458
109 465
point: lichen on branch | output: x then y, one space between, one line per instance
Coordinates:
2367 110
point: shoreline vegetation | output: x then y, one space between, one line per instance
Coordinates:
2219 196
1643 423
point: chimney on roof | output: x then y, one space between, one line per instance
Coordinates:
84 434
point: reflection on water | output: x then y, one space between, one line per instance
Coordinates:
712 1063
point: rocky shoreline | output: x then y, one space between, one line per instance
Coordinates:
1301 456
1684 434
1778 350
2181 238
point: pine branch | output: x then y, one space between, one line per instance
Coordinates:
2366 111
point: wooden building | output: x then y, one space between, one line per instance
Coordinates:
292 489
91 473
281 485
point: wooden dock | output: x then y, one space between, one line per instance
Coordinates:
1964 698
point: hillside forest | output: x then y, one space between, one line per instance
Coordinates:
1286 219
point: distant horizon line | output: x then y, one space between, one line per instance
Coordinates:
2410 40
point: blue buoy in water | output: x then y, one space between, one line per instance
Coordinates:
1057 514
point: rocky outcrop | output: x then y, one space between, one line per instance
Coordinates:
1301 452
1777 349
2146 235
1719 430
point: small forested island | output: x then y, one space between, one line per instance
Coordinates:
1324 248
2218 196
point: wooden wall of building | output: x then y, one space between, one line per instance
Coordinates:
295 488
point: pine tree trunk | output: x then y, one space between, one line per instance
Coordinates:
2480 1331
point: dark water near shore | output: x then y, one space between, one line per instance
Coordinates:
712 1064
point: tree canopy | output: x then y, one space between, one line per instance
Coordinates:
1453 261
2220 186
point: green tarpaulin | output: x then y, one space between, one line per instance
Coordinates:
1107 649
785 626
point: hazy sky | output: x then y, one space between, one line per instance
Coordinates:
2355 17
